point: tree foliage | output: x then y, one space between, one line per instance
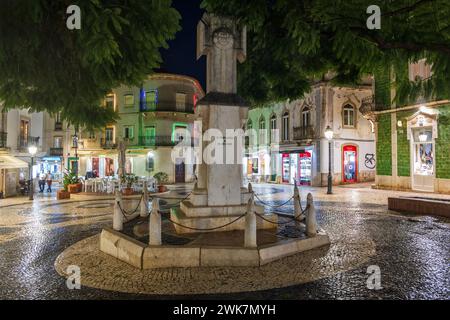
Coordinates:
291 42
45 66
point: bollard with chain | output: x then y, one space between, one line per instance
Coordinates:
144 202
155 224
311 222
117 216
250 225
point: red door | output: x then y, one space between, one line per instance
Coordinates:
349 164
285 167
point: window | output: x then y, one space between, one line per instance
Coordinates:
179 132
286 126
180 102
349 116
128 132
149 136
420 69
91 135
273 129
262 131
150 165
109 134
306 117
110 101
151 99
129 100
57 142
58 117
423 152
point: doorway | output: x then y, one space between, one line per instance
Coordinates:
349 164
180 172
422 148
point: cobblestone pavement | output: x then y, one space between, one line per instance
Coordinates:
412 252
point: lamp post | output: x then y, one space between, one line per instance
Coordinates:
75 146
32 150
329 136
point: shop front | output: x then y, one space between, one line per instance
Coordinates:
349 163
296 167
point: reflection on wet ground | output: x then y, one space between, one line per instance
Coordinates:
411 251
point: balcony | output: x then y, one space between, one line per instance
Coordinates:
107 144
25 142
368 107
58 126
166 106
302 133
160 141
3 139
56 152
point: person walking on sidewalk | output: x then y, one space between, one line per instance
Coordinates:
42 179
49 182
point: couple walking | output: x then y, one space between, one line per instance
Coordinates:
45 178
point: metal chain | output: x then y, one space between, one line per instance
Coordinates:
292 219
125 213
208 229
272 206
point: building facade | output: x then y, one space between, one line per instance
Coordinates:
152 119
302 153
19 129
412 140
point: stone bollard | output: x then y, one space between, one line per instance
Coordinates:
297 207
144 203
311 222
250 225
117 216
155 224
250 187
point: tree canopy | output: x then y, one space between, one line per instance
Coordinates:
291 42
45 66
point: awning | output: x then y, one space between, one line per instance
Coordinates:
10 162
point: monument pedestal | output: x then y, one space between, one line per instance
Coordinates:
196 213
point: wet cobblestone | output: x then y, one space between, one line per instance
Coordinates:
413 253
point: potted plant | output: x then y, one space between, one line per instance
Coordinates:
128 180
161 178
72 183
64 192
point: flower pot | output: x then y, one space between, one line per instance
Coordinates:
162 189
74 188
62 194
127 191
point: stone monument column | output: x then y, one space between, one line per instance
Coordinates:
219 197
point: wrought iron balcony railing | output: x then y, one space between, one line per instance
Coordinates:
26 141
56 152
58 126
166 106
3 139
161 141
107 143
301 133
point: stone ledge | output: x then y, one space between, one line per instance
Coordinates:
141 256
122 247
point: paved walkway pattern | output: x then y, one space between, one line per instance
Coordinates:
412 253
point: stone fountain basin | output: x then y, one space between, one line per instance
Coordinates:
143 256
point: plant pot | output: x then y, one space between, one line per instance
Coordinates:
62 194
127 191
162 189
74 188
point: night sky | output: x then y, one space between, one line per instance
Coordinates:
180 58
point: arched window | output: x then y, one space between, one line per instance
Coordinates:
249 125
348 114
273 129
306 117
285 128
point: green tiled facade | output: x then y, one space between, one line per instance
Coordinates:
403 146
384 153
443 144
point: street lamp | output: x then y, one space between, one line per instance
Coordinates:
32 150
329 136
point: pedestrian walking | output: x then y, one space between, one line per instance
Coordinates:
42 179
49 182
